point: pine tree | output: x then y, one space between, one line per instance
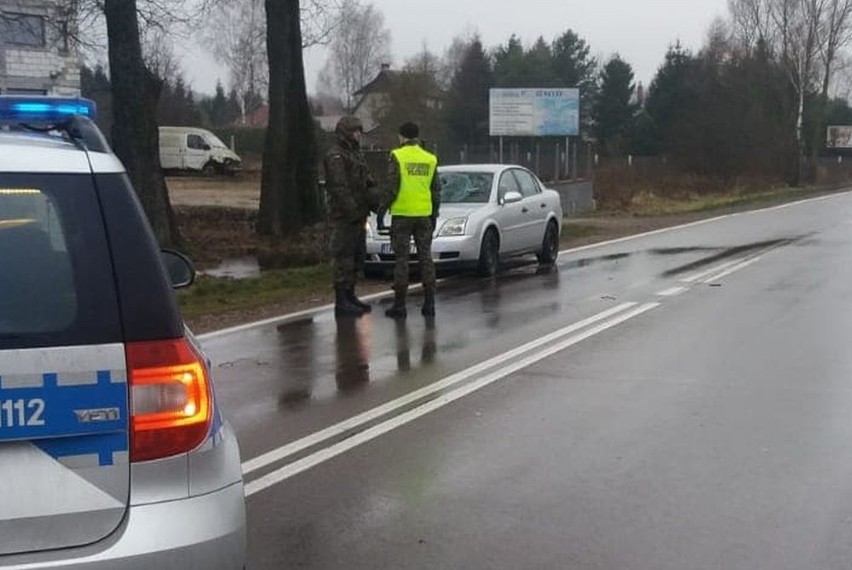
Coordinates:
467 99
614 110
219 107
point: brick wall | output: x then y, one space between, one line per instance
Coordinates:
46 68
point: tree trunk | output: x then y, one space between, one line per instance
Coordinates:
818 136
289 199
134 132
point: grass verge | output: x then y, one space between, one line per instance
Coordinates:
649 204
284 290
216 295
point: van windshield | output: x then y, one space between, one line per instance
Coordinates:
214 141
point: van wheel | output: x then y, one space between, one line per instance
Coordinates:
209 169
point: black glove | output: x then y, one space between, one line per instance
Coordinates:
434 220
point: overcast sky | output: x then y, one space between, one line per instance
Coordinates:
639 30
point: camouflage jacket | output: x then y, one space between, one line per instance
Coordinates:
347 182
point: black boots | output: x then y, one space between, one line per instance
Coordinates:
343 305
350 294
428 309
348 305
397 311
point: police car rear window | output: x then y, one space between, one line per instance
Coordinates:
56 285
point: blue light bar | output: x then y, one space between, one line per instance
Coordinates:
44 109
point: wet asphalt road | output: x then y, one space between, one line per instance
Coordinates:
680 400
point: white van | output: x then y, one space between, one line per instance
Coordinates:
196 150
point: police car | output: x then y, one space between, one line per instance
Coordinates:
113 452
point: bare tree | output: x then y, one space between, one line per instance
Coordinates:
797 32
752 23
135 91
237 32
800 25
837 32
136 85
159 55
320 19
361 44
454 55
425 62
809 38
288 196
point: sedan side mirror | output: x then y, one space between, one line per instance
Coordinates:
179 268
512 197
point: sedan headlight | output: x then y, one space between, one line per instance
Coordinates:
453 227
368 229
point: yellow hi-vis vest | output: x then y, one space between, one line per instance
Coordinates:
416 169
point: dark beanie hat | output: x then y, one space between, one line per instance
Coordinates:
409 131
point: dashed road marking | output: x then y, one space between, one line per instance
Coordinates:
673 292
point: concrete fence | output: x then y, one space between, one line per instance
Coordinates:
577 196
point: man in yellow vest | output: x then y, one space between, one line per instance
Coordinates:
416 198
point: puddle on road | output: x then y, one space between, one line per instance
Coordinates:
236 268
251 266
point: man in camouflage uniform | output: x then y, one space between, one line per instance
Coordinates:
416 199
348 180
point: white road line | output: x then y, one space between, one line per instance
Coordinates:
733 269
647 234
715 269
292 316
806 200
340 428
673 292
288 471
383 295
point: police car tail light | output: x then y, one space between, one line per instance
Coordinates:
169 397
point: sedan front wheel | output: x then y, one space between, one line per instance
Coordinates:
489 254
549 245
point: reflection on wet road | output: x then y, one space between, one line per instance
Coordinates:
574 425
316 360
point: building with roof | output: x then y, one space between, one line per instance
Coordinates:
378 103
37 54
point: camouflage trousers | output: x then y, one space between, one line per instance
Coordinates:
348 250
402 230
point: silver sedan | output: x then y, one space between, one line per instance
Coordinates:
488 213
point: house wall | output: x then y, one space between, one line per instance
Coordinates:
369 108
51 68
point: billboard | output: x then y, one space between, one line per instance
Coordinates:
839 136
534 112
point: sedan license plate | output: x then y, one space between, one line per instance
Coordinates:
387 249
